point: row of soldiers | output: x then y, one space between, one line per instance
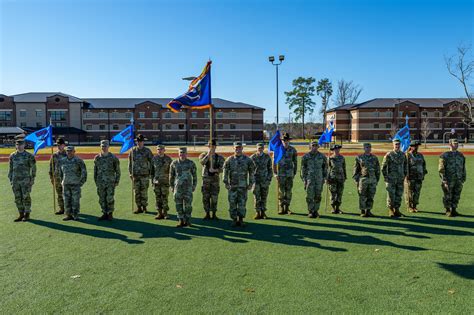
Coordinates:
240 173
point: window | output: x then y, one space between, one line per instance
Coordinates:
219 115
101 127
141 126
59 124
167 115
168 138
220 126
376 136
128 115
39 113
5 116
102 115
206 114
22 113
182 115
154 115
181 126
388 125
412 114
23 124
155 126
168 126
436 125
436 114
141 115
376 126
114 115
400 114
232 126
58 115
233 115
194 114
376 114
39 125
181 138
412 124
194 126
424 114
206 126
388 114
115 127
401 125
87 115
88 127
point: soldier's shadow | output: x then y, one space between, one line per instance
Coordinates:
264 232
463 271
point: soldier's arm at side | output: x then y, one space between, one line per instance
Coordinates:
95 170
441 168
172 175
295 162
83 173
220 167
33 169
385 166
251 173
344 168
303 169
203 158
130 164
377 168
194 173
51 161
463 178
425 171
269 170
118 172
225 178
356 170
325 167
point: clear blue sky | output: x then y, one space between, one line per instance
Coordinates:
139 48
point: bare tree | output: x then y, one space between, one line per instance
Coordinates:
347 92
425 130
461 67
393 131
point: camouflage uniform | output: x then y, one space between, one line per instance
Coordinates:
394 170
452 170
55 160
161 182
183 177
286 170
366 174
336 177
106 177
73 174
140 170
416 174
314 171
263 178
22 173
239 176
210 181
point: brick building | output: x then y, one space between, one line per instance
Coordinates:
380 118
94 119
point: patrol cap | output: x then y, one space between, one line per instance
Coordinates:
315 143
286 136
20 141
453 141
60 141
70 148
367 144
140 137
237 144
160 146
396 140
211 142
104 143
414 143
183 150
335 147
260 145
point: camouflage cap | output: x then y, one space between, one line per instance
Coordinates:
70 148
183 150
160 146
237 144
396 140
212 142
335 147
314 143
367 144
260 145
104 143
140 137
453 141
414 143
60 141
20 141
286 136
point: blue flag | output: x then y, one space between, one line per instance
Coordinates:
126 138
42 138
198 95
404 136
326 137
276 146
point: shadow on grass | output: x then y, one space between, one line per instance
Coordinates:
286 235
463 271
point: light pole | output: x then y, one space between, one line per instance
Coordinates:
272 60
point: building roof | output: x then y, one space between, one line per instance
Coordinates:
342 107
131 102
40 97
392 102
11 130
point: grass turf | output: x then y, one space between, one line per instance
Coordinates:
339 263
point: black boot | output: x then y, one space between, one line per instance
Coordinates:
20 217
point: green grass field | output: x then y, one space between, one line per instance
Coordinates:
423 263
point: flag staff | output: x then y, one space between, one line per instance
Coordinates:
53 171
132 163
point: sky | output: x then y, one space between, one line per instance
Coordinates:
138 48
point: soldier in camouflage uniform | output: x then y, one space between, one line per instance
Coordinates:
54 162
314 171
22 173
452 170
366 175
161 181
239 176
394 170
263 178
416 174
336 177
210 179
140 161
183 180
73 174
285 171
106 177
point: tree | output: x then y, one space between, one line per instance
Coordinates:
347 92
425 129
462 68
324 89
300 98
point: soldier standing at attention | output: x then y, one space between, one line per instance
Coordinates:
416 174
394 170
263 178
106 177
139 167
54 162
161 181
366 175
22 173
210 179
336 177
284 172
314 171
452 170
183 180
239 176
73 175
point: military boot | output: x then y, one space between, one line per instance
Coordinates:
241 221
369 214
110 216
398 214
363 213
207 216
160 215
263 215
188 222
454 212
144 209
311 215
338 209
391 213
281 210
180 223
139 210
334 210
26 217
68 218
214 216
258 215
105 216
234 222
20 217
288 211
316 214
60 211
165 215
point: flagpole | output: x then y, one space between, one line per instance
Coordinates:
211 130
53 170
133 179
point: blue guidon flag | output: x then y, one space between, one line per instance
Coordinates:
276 146
404 136
42 138
198 95
126 138
326 137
